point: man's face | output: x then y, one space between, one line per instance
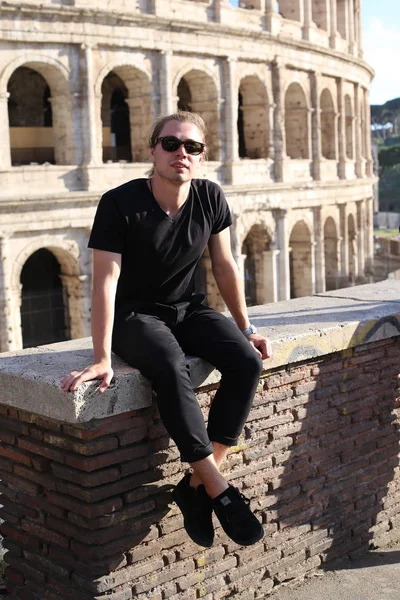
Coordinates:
178 166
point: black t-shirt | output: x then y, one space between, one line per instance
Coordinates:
159 253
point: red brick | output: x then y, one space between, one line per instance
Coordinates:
19 484
46 565
101 492
104 460
87 448
132 436
41 449
100 428
42 479
44 534
13 575
86 479
10 424
127 516
7 437
81 508
15 455
6 465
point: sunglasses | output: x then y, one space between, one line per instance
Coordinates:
170 143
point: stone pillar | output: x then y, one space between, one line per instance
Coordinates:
351 26
333 24
358 131
75 293
231 106
5 146
319 253
6 300
273 20
283 247
367 133
270 276
279 123
361 239
316 125
92 106
369 239
166 95
62 130
341 129
307 18
344 247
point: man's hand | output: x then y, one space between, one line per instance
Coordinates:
101 370
261 345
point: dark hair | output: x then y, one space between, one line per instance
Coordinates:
183 116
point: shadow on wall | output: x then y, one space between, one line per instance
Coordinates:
329 499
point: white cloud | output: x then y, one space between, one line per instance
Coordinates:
381 45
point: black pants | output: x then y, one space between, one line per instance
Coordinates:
156 344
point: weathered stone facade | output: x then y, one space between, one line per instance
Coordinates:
285 97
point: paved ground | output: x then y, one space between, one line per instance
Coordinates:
376 576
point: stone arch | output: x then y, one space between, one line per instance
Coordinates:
348 110
74 284
301 261
290 9
328 117
296 122
197 92
135 105
256 256
352 246
44 314
253 128
320 14
331 251
59 134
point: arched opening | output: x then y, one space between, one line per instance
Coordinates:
341 17
43 311
348 109
254 249
290 9
331 247
328 142
296 123
253 128
115 119
320 14
197 93
30 118
352 244
301 261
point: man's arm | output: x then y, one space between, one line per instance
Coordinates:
231 287
106 271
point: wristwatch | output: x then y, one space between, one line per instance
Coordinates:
251 329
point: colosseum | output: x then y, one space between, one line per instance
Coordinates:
283 88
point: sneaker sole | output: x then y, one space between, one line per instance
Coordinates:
193 537
253 540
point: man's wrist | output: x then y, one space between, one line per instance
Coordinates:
249 330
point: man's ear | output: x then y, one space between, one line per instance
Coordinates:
152 150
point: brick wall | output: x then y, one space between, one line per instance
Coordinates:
87 511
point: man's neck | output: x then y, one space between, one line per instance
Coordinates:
170 195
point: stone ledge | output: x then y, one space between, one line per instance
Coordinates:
300 329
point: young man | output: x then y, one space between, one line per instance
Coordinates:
148 237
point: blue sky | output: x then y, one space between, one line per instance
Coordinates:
381 43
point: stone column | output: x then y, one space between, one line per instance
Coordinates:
316 125
273 20
341 129
91 107
361 239
270 277
6 299
352 45
76 293
358 131
319 252
62 130
369 239
283 247
166 95
307 18
333 24
279 123
367 133
344 247
231 106
5 146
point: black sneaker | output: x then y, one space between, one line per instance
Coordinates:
196 507
237 520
